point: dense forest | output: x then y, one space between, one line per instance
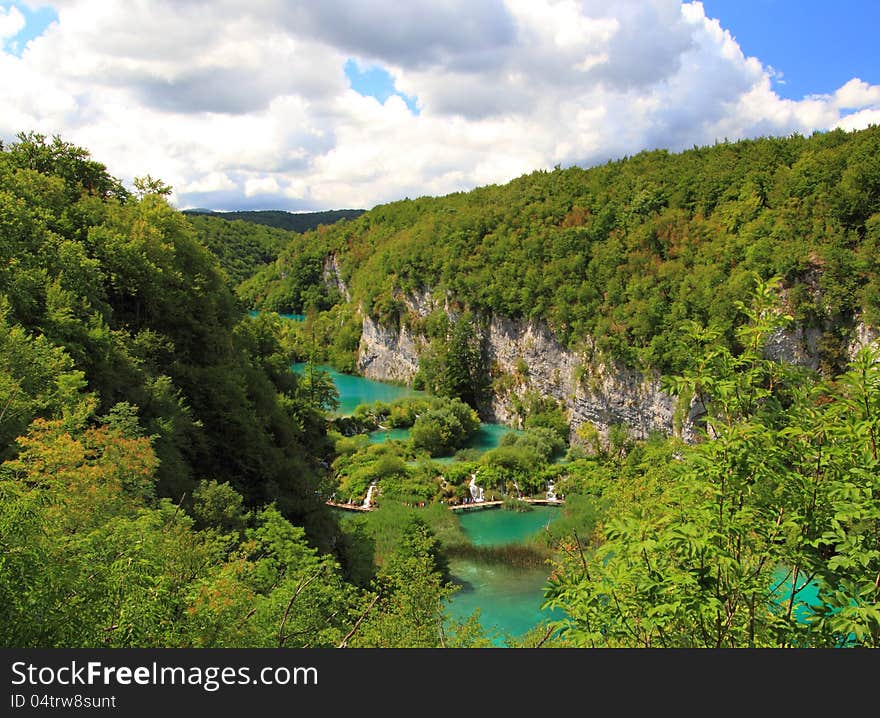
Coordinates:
245 242
241 248
279 219
162 468
164 472
619 255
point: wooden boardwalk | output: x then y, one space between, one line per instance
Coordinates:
475 506
349 507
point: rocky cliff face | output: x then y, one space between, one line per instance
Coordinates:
592 391
526 357
862 336
388 354
333 277
392 354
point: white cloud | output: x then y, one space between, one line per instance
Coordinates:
12 22
247 105
856 94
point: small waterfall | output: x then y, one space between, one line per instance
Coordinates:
551 491
476 491
368 500
518 489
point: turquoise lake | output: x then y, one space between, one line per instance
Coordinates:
497 527
509 598
355 390
291 317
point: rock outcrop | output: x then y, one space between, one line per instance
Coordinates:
388 354
592 391
525 356
333 277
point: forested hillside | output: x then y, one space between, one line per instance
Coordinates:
763 528
624 252
112 305
163 471
242 248
279 219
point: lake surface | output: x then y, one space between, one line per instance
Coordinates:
354 390
380 436
291 317
808 595
497 527
509 598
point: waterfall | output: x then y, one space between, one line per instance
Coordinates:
476 491
551 491
518 489
369 495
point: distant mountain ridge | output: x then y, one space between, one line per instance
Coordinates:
291 221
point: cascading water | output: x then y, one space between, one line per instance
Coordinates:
369 499
476 491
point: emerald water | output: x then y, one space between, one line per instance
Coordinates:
497 527
380 436
489 436
291 317
806 597
509 598
354 390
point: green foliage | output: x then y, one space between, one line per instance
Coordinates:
410 592
164 471
511 503
279 219
388 465
90 558
317 389
219 506
327 337
241 248
36 379
717 547
624 252
444 427
108 300
454 364
294 283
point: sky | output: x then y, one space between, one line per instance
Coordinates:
328 104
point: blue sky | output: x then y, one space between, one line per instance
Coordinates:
306 105
817 45
814 46
35 23
375 81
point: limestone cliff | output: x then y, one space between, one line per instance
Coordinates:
525 356
333 277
